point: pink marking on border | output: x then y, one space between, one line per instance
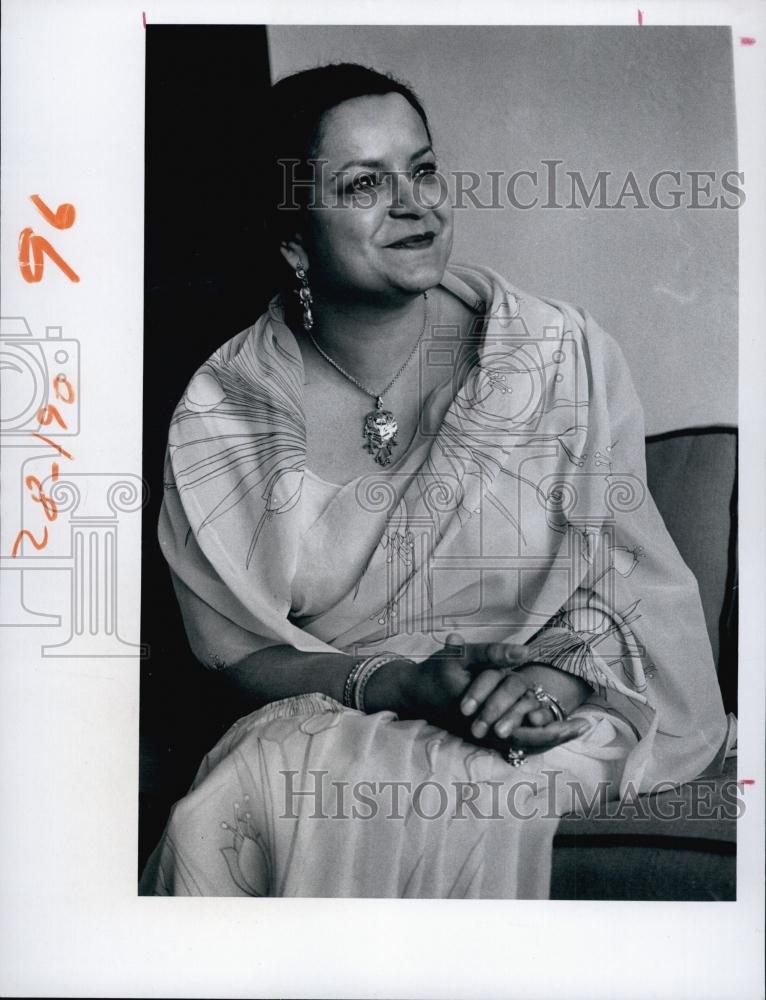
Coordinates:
143 17
640 17
746 781
747 40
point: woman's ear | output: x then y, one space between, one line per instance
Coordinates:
294 253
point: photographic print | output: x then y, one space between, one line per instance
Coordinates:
382 453
407 510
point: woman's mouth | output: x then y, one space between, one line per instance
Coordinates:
416 242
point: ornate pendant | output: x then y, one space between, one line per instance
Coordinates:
380 430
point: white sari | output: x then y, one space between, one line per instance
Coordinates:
521 515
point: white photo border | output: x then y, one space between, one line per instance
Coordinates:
72 924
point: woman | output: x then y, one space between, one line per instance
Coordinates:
406 517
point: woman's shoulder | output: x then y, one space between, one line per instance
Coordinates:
562 334
523 312
262 356
497 296
267 330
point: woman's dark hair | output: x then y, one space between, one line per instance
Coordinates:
297 107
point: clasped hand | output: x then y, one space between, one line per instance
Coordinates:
483 692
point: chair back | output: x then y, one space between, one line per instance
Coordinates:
692 475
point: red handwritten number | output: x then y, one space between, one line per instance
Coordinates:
47 414
32 249
59 382
50 508
53 444
62 218
31 537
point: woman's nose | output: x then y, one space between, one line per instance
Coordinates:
404 197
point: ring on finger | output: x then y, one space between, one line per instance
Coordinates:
546 699
525 704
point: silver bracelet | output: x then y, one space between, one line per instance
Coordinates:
371 666
348 687
359 676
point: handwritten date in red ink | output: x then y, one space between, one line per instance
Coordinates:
64 393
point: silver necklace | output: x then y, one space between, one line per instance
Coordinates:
380 427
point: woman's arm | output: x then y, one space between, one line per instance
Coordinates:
430 690
259 673
283 671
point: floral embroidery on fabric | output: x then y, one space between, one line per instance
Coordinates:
247 858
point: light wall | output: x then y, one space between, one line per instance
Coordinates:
664 283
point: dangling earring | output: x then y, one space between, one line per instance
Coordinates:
304 295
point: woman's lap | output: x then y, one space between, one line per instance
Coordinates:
306 798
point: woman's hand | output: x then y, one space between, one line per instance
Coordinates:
502 705
465 680
432 689
506 711
477 680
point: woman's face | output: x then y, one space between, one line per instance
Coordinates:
384 226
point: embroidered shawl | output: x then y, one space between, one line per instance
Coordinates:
522 514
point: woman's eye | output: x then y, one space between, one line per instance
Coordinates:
424 170
364 181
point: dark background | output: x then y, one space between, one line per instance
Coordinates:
205 279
